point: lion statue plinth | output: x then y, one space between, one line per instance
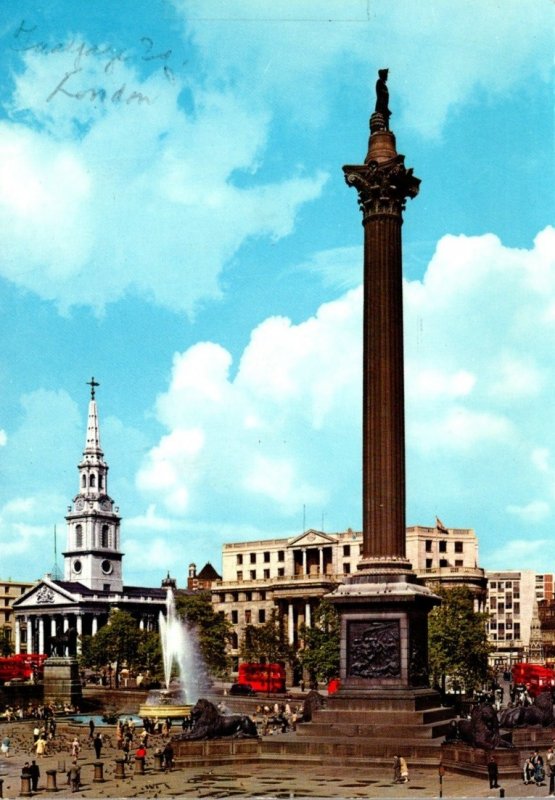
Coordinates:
208 723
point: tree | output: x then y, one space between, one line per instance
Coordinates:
320 654
213 630
117 642
265 643
457 640
6 646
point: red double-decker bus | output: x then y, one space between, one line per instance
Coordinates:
535 677
266 678
22 667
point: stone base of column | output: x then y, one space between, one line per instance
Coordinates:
61 681
384 628
384 695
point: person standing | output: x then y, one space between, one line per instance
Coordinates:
493 772
91 729
6 744
396 770
75 748
40 747
74 777
403 769
550 769
34 772
97 744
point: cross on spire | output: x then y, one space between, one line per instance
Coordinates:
93 384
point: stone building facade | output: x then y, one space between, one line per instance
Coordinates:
10 591
515 598
291 575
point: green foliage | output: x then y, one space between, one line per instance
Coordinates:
320 655
457 641
123 643
6 646
265 643
212 628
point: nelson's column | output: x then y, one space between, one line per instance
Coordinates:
383 608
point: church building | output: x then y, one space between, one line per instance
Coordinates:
55 613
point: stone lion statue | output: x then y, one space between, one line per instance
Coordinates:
208 723
481 730
539 713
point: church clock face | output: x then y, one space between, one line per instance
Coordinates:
106 566
79 504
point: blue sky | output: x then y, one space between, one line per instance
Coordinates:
174 221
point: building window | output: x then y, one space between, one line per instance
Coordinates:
429 563
281 572
516 608
281 555
253 574
253 558
493 585
443 562
234 641
84 481
78 536
428 545
443 546
239 559
100 482
239 575
92 481
458 547
261 615
266 557
346 549
346 569
501 608
105 536
248 596
459 562
234 616
266 574
248 616
517 630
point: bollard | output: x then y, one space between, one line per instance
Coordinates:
1 785
120 768
25 785
139 765
501 792
51 780
98 772
158 761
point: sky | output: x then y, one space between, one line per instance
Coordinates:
174 221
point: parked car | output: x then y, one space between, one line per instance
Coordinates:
242 689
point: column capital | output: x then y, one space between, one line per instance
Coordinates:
382 188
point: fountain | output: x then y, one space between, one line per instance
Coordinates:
179 647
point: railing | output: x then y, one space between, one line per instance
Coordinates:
265 582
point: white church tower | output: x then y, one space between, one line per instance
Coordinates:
93 557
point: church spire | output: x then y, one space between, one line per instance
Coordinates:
92 444
93 556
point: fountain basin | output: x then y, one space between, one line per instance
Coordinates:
164 711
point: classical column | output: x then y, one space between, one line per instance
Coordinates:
304 561
41 634
29 635
290 624
383 184
79 627
18 635
65 629
142 624
321 560
307 618
94 625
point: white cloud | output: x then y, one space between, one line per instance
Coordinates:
420 43
535 511
86 182
250 431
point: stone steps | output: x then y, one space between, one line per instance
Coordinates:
333 716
